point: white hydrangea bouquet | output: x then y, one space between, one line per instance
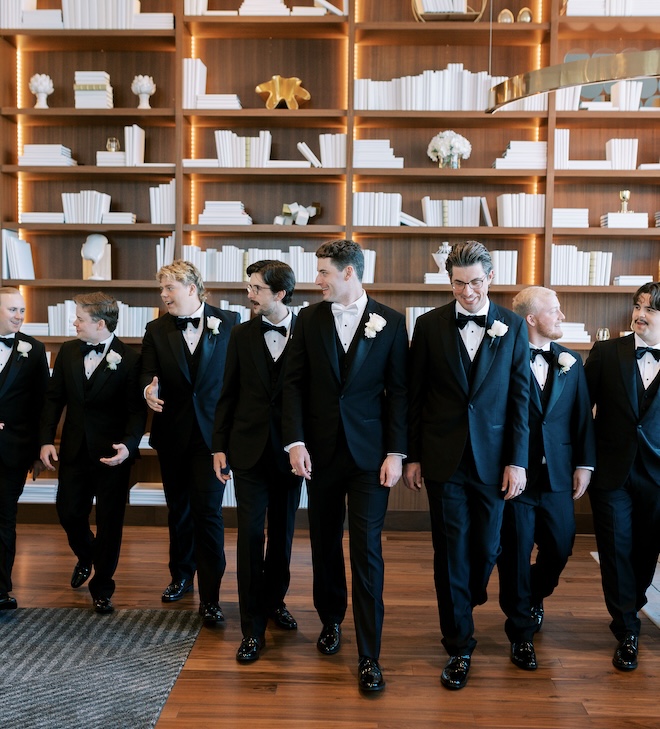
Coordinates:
448 148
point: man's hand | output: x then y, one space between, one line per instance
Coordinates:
514 481
37 468
48 455
220 467
120 457
151 396
301 463
390 471
581 479
412 476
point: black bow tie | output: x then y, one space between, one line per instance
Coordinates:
546 354
7 341
463 319
641 351
265 327
87 348
182 322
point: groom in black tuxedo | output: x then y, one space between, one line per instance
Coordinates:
96 378
562 455
469 401
23 382
345 417
183 362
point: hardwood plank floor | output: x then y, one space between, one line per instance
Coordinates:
294 686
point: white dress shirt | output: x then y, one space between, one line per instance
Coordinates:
347 319
93 359
472 334
648 365
5 352
192 335
539 365
274 340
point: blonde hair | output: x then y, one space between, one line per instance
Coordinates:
186 273
527 301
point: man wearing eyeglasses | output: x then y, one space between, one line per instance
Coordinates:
468 443
247 438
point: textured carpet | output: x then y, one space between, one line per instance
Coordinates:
69 668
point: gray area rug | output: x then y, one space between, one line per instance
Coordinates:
68 668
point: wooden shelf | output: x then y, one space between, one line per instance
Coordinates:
410 231
609 119
621 28
649 233
455 33
78 283
460 119
608 176
89 172
266 27
231 118
434 174
73 116
25 39
287 231
89 227
284 174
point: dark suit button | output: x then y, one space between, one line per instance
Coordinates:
470 406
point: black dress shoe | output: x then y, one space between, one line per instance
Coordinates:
211 613
7 602
283 619
176 590
250 649
103 605
329 639
455 673
523 655
80 575
625 655
370 677
537 615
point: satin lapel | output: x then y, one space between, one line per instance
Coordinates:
209 342
103 373
13 366
628 367
280 377
488 350
329 336
177 344
78 371
259 352
362 345
535 398
558 381
449 341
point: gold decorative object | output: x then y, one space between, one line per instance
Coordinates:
423 15
524 15
505 16
280 89
112 145
624 196
613 67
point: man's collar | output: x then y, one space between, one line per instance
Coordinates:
482 312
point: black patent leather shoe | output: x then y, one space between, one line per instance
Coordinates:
537 616
80 575
7 602
250 649
176 590
455 674
283 619
523 655
370 677
103 605
625 655
329 640
211 613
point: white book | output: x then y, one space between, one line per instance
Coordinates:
307 153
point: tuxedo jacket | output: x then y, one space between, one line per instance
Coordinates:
249 413
491 408
622 431
562 430
108 408
186 402
23 384
369 402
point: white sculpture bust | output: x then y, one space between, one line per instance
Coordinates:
97 250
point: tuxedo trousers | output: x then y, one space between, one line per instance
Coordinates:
80 480
330 490
627 526
538 516
12 482
466 518
263 577
194 500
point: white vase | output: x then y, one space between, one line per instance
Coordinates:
42 100
144 101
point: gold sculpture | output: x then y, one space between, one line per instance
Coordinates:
280 89
624 196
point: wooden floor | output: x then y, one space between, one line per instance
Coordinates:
293 686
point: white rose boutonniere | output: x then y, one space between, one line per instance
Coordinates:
498 329
212 322
375 324
23 348
113 359
565 362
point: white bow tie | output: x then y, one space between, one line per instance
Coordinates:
339 309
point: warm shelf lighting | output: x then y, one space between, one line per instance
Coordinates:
19 126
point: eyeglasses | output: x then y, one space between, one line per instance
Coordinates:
255 289
476 284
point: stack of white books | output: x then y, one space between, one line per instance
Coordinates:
41 491
17 260
613 7
12 10
574 331
133 319
572 267
562 161
568 99
92 90
224 212
333 150
86 206
436 278
377 208
263 7
40 217
194 81
100 14
505 265
226 264
307 10
464 213
244 312
570 217
624 220
110 159
165 251
520 210
118 218
153 21
375 153
35 328
632 280
145 493
411 221
235 151
626 95
649 166
46 155
597 105
42 19
217 101
412 313
162 203
60 319
586 7
622 153
521 155
134 142
538 102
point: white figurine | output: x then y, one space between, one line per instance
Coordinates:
143 87
97 250
41 85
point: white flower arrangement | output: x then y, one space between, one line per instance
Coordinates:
375 324
498 329
212 322
23 348
448 143
113 359
565 362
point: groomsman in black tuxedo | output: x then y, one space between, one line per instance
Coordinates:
622 375
23 382
562 455
97 379
183 362
469 401
248 438
345 415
